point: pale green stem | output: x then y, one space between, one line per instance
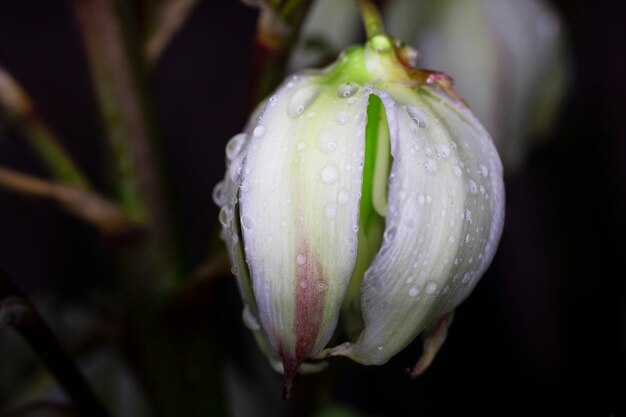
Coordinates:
371 18
21 113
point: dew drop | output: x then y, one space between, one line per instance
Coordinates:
342 118
390 234
330 174
234 145
343 197
467 277
224 217
456 171
327 142
418 116
431 287
301 99
414 291
348 89
219 194
258 131
472 187
246 223
351 101
301 259
430 165
443 151
483 171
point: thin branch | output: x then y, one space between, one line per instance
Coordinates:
117 67
18 312
198 289
107 216
277 32
20 111
169 17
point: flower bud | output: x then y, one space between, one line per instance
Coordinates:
367 187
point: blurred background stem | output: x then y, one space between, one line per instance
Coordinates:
20 112
277 30
18 312
150 263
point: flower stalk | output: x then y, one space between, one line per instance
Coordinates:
372 21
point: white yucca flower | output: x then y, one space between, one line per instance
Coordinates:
367 190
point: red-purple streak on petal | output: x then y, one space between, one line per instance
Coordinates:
310 292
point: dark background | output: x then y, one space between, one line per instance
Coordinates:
543 334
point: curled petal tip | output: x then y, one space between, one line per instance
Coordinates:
433 340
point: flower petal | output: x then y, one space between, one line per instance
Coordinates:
299 208
443 222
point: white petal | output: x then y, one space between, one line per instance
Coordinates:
443 221
299 208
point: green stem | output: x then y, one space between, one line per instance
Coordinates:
149 264
22 114
53 155
139 177
371 18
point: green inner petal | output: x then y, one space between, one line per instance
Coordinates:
373 206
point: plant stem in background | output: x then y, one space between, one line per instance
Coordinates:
18 312
277 31
139 181
107 216
149 266
21 113
168 17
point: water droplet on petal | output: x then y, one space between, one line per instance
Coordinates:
327 142
390 234
224 217
246 223
348 89
330 174
443 151
301 99
258 131
472 187
414 291
234 145
342 118
343 197
418 116
456 171
430 165
219 194
301 259
431 287
483 171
